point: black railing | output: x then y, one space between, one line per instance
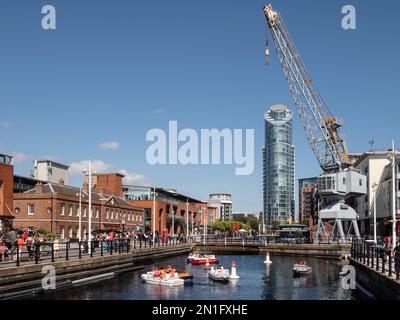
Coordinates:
378 257
57 251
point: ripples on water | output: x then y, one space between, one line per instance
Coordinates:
257 282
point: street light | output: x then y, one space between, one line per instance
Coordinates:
90 207
374 190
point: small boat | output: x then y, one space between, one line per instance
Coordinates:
301 268
204 259
168 281
219 274
181 275
197 256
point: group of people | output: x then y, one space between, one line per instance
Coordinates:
14 243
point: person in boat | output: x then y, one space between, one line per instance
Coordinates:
302 262
157 272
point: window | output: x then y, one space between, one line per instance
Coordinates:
112 214
17 210
84 211
107 214
97 213
62 209
70 209
77 211
31 209
360 182
70 233
116 215
62 235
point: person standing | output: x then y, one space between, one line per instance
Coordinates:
20 244
397 261
29 244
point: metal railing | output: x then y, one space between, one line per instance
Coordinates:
379 258
72 250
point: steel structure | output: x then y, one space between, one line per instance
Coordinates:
321 127
323 133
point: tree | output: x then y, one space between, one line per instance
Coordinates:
253 223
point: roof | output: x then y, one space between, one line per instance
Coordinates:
373 153
50 188
53 163
167 191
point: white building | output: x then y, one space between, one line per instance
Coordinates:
223 203
50 171
377 167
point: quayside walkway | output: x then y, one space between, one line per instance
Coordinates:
377 269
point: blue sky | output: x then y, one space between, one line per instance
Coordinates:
115 69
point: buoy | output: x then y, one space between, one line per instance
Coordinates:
267 259
233 271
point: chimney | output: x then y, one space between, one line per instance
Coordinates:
61 182
39 187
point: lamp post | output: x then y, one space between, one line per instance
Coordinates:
394 236
154 215
374 190
80 216
187 218
90 207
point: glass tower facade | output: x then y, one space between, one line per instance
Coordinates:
278 167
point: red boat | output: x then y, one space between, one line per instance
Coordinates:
202 261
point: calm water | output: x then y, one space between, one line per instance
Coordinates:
257 282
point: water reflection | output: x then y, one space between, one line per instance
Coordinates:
257 281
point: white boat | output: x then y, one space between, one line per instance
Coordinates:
168 281
219 274
301 269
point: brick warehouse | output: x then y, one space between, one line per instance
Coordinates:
55 208
6 192
172 209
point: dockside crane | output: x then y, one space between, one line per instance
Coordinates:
339 179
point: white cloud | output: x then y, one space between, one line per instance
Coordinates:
134 179
98 166
7 124
109 145
156 111
20 157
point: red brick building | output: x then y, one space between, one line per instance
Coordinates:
55 208
6 192
173 210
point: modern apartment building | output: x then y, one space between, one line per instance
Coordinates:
223 203
278 167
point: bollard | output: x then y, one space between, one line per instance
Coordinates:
373 256
134 243
91 244
119 246
66 250
383 262
80 249
390 263
368 255
110 247
101 247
